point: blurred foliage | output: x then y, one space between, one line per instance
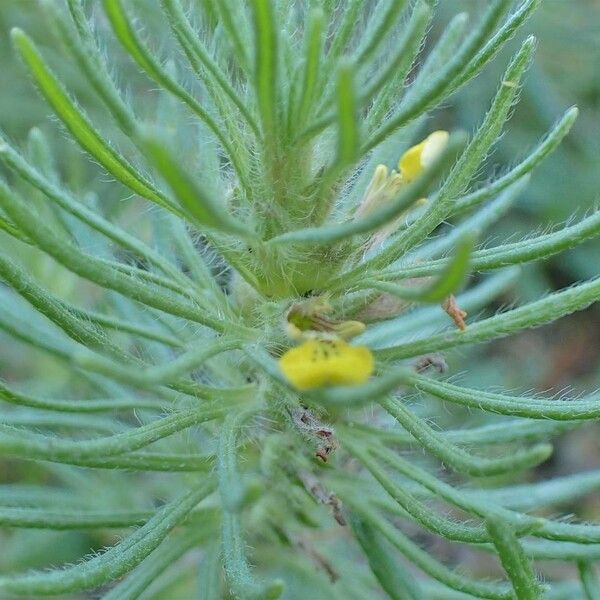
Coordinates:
566 72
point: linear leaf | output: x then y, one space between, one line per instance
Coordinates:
83 47
457 458
150 377
165 556
15 442
476 223
420 512
385 88
48 519
437 85
200 59
310 76
265 66
515 562
385 19
447 282
532 408
8 394
553 138
81 128
95 269
203 209
127 36
395 581
114 562
432 567
530 249
530 315
243 582
348 123
19 164
589 580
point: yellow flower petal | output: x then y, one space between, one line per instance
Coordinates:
317 363
416 159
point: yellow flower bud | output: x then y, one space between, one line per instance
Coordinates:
416 159
348 329
317 363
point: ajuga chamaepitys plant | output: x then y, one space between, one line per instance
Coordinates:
253 336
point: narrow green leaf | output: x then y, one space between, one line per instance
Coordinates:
234 20
496 42
440 54
126 327
420 512
530 249
447 282
210 584
30 518
516 564
397 583
534 314
164 557
553 138
347 116
114 562
13 231
392 78
15 161
149 377
50 306
531 408
456 457
62 423
561 551
201 60
523 524
15 442
424 561
429 319
480 505
204 210
241 580
80 127
265 66
345 29
385 19
83 47
552 492
127 35
8 394
310 76
437 85
476 223
518 430
95 269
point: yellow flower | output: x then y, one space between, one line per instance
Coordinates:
386 185
317 363
416 159
383 187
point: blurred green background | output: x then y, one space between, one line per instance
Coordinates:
563 355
